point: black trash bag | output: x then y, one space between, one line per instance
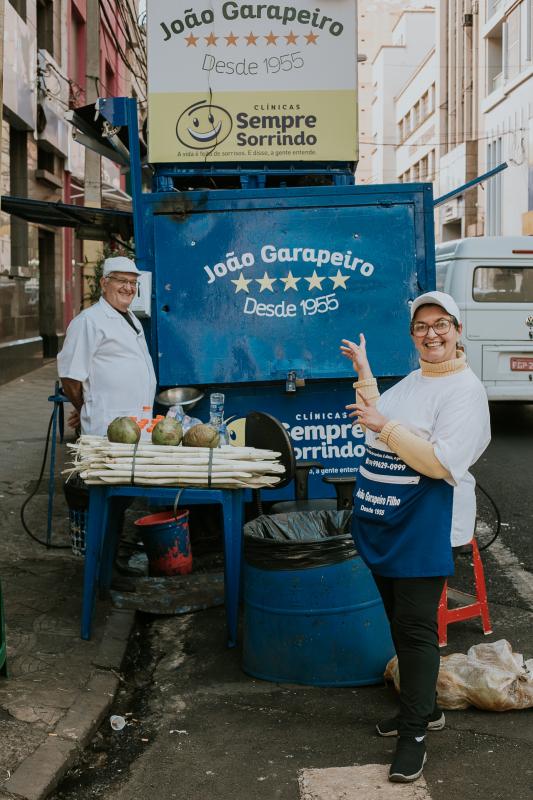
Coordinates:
76 494
299 540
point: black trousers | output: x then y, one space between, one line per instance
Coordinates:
411 606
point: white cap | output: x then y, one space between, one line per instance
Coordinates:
437 299
119 264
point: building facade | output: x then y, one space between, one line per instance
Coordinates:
403 119
458 98
377 21
417 121
44 75
34 143
506 57
449 95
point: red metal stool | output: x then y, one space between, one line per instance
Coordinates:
477 609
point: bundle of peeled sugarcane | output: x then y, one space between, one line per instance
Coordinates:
99 461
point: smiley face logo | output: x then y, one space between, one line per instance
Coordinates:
203 126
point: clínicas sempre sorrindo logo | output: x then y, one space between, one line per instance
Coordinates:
203 125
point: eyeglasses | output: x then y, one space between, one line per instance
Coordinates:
440 327
124 282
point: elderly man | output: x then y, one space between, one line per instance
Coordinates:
105 366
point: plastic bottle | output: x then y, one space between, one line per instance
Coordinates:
216 409
216 417
144 423
176 412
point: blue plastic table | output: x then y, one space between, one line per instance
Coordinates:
101 536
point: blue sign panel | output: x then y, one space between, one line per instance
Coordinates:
249 294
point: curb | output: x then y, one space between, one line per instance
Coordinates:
39 774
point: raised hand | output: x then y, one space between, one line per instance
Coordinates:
366 414
356 353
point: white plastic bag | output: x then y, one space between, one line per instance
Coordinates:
490 676
179 414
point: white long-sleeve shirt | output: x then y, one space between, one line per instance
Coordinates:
112 361
451 411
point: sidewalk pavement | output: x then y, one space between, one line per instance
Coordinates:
60 687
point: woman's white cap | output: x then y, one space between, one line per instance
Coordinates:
119 264
437 299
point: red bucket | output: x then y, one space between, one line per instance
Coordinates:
167 543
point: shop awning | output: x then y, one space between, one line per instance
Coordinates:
98 224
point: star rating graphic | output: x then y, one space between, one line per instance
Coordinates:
231 40
290 282
252 39
241 285
266 283
314 281
339 280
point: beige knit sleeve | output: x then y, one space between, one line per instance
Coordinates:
417 453
368 389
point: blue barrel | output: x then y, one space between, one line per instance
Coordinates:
322 626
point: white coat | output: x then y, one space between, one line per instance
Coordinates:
102 350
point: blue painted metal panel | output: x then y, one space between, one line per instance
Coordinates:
204 337
252 285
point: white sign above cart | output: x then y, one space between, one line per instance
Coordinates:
238 81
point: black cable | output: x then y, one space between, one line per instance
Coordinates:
497 515
123 56
34 492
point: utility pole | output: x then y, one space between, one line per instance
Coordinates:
93 181
93 167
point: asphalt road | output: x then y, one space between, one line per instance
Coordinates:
199 728
506 471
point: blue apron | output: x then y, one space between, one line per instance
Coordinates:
402 520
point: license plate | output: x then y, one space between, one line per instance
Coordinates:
521 364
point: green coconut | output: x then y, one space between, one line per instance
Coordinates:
201 436
124 430
168 431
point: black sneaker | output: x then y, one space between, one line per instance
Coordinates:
389 727
408 761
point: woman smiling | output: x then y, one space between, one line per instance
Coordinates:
415 501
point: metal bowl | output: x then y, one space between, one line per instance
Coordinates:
186 396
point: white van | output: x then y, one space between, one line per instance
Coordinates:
491 280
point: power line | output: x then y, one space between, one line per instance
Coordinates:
449 67
445 141
122 55
126 32
133 24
